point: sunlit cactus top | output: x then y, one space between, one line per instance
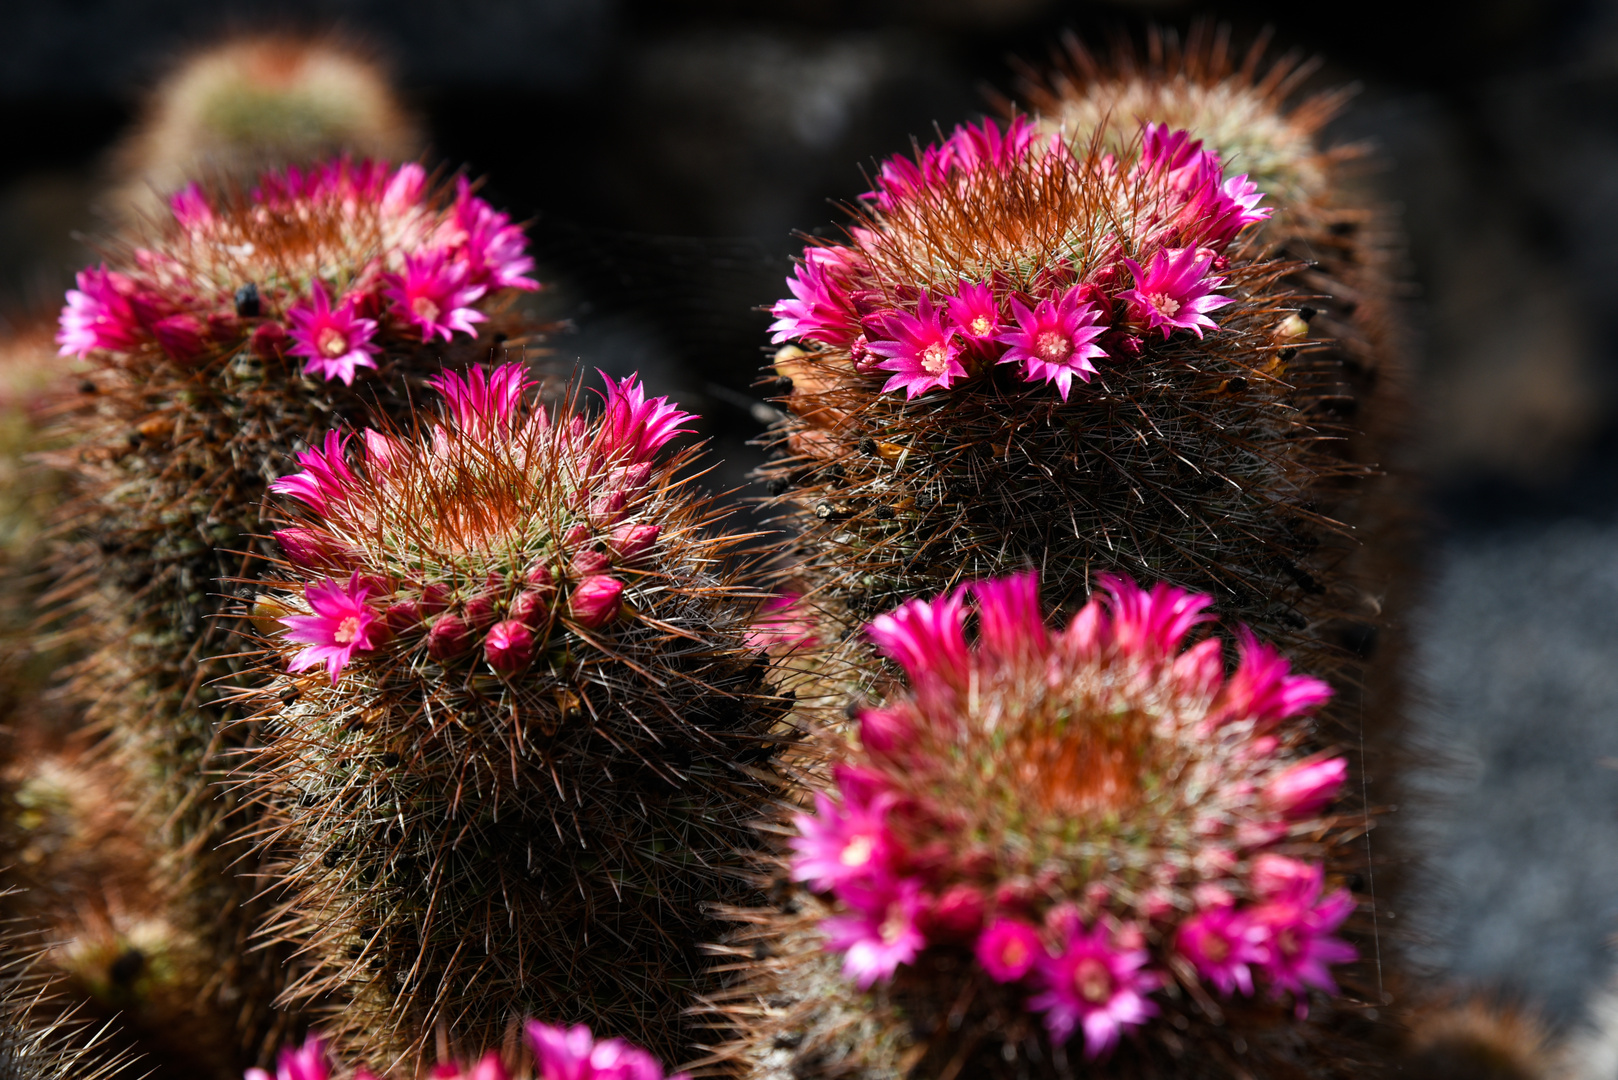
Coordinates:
558 1054
472 546
1000 247
1098 815
324 264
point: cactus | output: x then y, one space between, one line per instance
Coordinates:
1053 843
524 729
219 341
38 1039
231 109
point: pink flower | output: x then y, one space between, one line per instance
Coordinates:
312 548
1164 150
182 336
1154 623
1175 293
1306 787
336 342
1222 944
434 295
1094 985
1010 620
838 845
509 647
326 474
881 934
1054 341
596 600
925 637
306 1062
1228 208
975 312
1263 687
482 401
782 621
922 353
99 314
342 624
404 190
488 1067
983 145
1276 876
190 208
634 427
882 731
821 309
573 1054
1297 935
1009 949
495 249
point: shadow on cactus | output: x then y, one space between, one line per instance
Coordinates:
1031 348
525 732
1050 844
219 340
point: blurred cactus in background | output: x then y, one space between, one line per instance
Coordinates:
525 732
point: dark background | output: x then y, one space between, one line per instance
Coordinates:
666 152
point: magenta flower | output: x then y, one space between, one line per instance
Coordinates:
487 1067
306 1062
495 249
841 845
596 600
98 314
1011 621
783 621
975 312
434 294
1165 151
336 342
1175 293
984 145
882 934
1264 688
482 401
404 190
1054 340
1231 207
573 1054
1305 788
509 647
1152 622
821 309
342 624
182 336
925 637
190 208
1222 944
1009 949
1277 877
1297 936
326 474
920 351
634 427
1096 986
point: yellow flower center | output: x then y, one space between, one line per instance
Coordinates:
1093 981
981 325
347 630
858 851
332 342
934 358
1052 346
425 309
1165 304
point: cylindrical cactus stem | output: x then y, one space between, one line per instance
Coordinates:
526 730
40 1038
1061 843
1031 351
219 340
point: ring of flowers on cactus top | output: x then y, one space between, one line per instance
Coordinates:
319 263
1142 253
1087 812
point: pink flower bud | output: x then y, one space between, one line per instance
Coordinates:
539 576
448 637
403 616
479 611
509 647
434 598
314 549
604 507
1009 949
180 335
631 541
883 730
575 536
596 600
1277 875
530 608
586 563
957 914
1305 788
269 341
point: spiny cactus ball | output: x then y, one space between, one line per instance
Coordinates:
1097 371
527 730
1050 842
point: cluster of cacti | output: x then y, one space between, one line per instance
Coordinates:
507 712
532 733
